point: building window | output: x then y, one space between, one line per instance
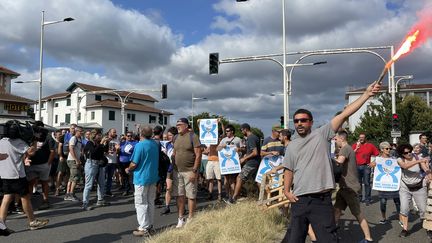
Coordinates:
165 120
42 105
79 116
56 119
56 104
92 115
98 97
67 118
68 102
152 119
130 117
111 115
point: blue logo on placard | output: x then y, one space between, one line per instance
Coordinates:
267 165
225 158
382 172
208 129
388 162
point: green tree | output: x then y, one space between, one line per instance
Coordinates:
414 115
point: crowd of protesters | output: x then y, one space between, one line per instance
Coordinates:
176 163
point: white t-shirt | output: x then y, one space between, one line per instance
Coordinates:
112 155
77 147
13 166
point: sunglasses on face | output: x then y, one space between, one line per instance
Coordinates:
386 148
228 131
405 153
302 120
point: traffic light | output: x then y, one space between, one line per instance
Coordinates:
164 91
213 63
395 122
282 121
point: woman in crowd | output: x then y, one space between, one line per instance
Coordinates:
168 150
94 166
385 153
412 186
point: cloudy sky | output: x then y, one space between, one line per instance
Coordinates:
143 43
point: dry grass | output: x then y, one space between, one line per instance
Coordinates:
242 222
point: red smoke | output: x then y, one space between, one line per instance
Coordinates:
424 25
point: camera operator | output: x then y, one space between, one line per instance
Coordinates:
13 176
41 161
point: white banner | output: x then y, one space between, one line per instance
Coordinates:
387 175
268 163
208 131
229 161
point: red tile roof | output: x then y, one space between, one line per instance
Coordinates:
8 71
15 98
129 106
56 96
90 88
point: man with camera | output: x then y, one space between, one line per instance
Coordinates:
13 176
40 165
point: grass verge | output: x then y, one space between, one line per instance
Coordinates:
242 222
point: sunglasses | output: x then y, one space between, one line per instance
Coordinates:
386 148
228 131
302 120
405 153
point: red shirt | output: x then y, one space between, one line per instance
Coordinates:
364 153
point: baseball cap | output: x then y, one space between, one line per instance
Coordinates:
183 120
245 126
276 127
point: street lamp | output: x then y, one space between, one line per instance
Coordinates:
195 98
43 24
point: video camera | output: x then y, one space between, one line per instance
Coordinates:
26 131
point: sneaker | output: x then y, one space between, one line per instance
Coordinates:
141 233
365 241
231 201
44 205
74 198
157 201
383 221
57 192
181 223
429 234
219 198
67 197
18 209
401 224
165 210
102 203
86 207
403 233
6 232
38 223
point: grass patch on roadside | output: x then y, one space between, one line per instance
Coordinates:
242 222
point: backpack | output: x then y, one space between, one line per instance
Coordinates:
164 163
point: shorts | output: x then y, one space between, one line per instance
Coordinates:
347 197
15 186
63 167
213 170
203 166
182 186
38 171
248 172
54 167
75 172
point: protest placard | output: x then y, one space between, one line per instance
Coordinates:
208 131
229 161
387 175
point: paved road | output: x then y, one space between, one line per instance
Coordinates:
68 223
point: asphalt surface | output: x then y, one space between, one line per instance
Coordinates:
115 223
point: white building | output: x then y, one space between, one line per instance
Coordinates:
422 90
77 105
12 106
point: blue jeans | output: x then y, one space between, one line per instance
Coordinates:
93 170
364 173
109 170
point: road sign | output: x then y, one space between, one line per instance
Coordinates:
396 134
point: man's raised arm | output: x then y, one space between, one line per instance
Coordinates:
337 121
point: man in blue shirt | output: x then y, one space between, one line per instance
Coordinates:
126 150
144 164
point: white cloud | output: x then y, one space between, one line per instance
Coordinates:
116 47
